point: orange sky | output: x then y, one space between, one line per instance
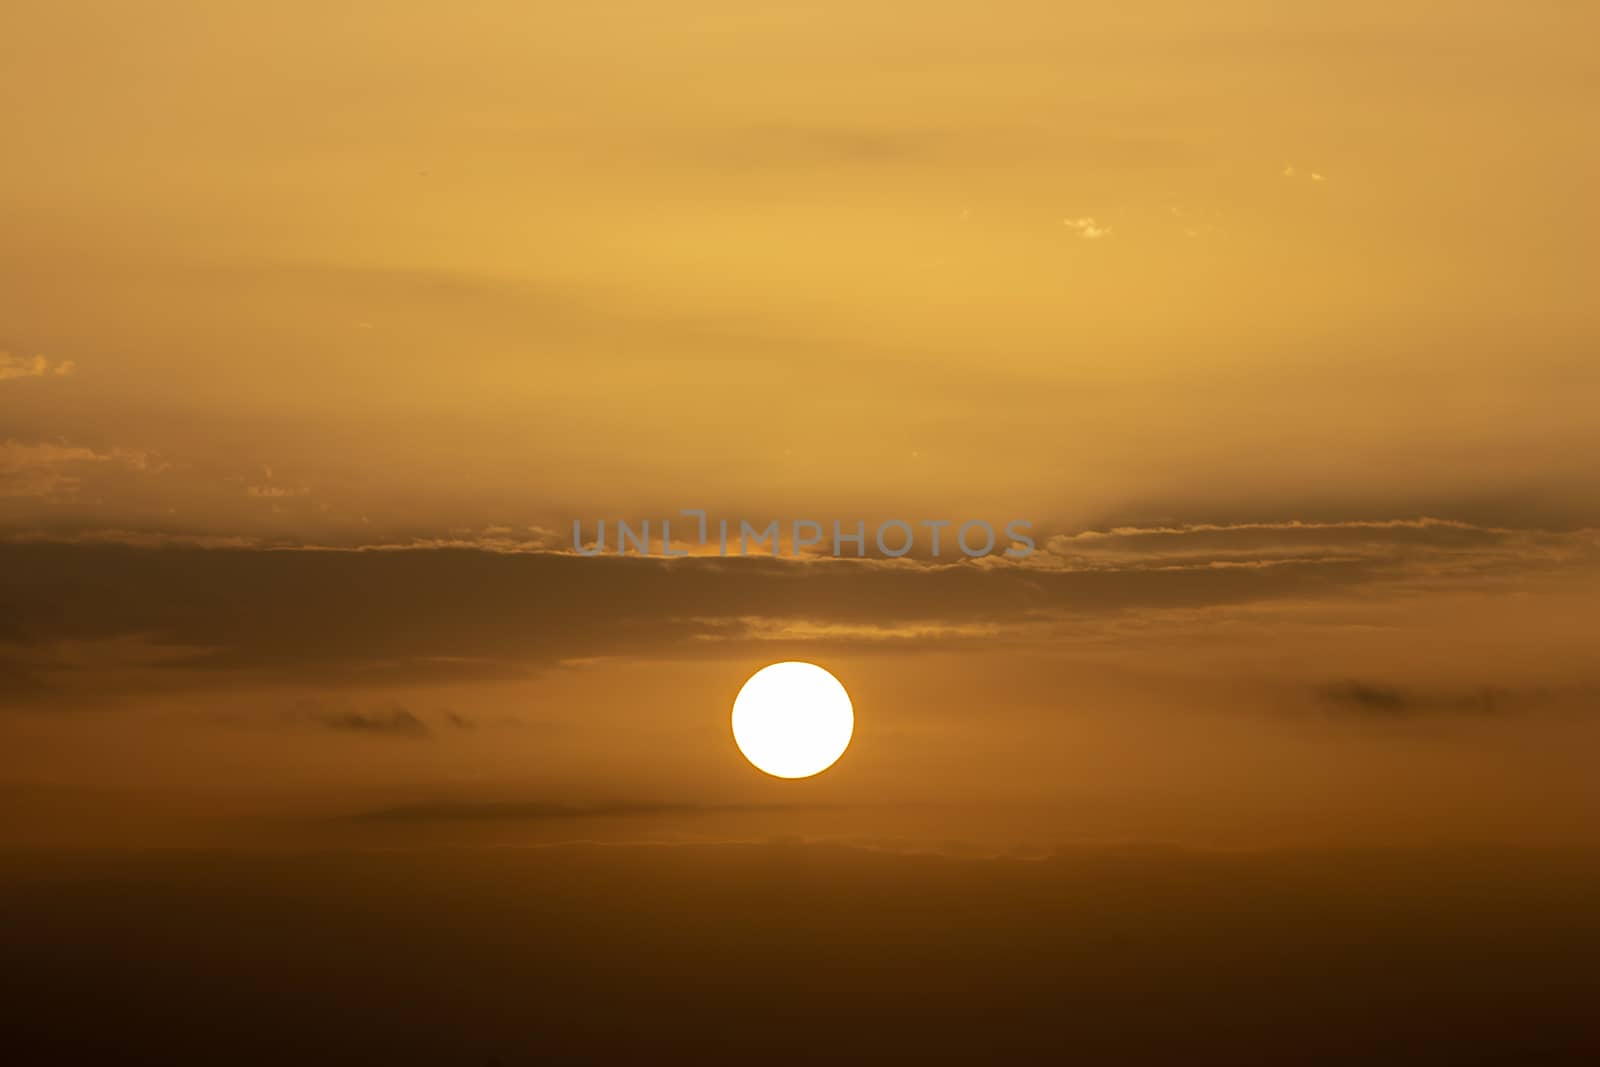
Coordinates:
1276 324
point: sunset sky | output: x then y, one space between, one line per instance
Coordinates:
320 325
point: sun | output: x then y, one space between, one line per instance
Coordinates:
793 719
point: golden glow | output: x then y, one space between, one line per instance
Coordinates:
793 720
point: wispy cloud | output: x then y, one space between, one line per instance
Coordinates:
52 469
1380 700
1087 227
38 367
397 721
1418 547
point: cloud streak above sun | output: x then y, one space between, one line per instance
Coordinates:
352 616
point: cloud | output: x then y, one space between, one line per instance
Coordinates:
400 615
38 367
1422 545
1379 700
355 617
1370 698
490 539
51 469
1087 228
393 722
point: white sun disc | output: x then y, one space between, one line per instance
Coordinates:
793 719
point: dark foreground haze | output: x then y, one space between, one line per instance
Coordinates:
793 952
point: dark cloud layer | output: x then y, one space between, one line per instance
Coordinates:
396 721
1380 700
442 614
